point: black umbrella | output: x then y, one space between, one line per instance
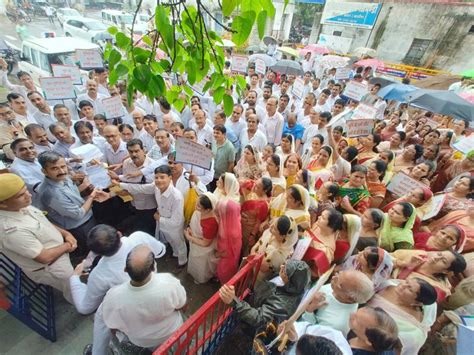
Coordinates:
290 67
441 101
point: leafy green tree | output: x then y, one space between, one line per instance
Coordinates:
192 49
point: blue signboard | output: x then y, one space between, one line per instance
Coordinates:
351 14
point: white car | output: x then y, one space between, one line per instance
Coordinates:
120 18
65 13
82 27
38 54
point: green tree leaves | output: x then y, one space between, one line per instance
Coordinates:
191 54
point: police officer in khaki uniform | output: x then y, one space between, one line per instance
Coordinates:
37 246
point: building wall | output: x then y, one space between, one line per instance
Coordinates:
279 27
445 24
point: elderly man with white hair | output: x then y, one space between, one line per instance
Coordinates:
334 303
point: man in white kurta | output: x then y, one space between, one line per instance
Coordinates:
169 216
147 308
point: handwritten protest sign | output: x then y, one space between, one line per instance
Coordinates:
355 90
359 128
189 152
301 248
89 58
401 184
364 111
239 63
260 67
298 88
58 88
71 71
112 107
465 145
437 203
342 73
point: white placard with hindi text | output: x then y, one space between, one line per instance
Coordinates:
298 88
355 90
364 111
342 73
239 63
87 152
89 58
465 145
58 88
301 248
71 71
437 203
193 153
359 128
98 176
401 184
113 107
260 67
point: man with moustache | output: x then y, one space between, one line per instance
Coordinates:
93 96
39 137
61 199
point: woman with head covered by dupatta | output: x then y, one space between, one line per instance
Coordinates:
227 188
229 241
397 227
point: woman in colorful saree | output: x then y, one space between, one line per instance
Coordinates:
375 262
464 219
229 241
397 227
291 167
323 234
448 237
431 266
287 146
273 171
201 234
375 186
411 304
348 237
249 166
354 193
320 166
368 147
407 158
276 244
420 198
459 197
227 188
371 222
254 210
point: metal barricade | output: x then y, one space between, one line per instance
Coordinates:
205 329
29 302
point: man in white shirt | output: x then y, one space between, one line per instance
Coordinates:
64 139
39 137
273 123
236 122
251 102
203 130
147 308
27 83
92 95
252 135
115 150
101 76
19 106
169 216
335 302
283 105
322 104
85 134
182 179
26 165
303 114
137 116
163 145
335 91
87 112
44 116
63 114
266 94
150 124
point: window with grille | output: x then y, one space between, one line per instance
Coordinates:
417 51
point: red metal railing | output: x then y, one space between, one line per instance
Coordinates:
203 331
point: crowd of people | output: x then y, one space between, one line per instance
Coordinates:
284 182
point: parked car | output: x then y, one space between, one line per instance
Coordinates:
82 27
65 13
38 54
119 18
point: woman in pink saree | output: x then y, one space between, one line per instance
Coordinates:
229 240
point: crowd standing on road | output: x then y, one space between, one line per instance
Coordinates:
283 177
